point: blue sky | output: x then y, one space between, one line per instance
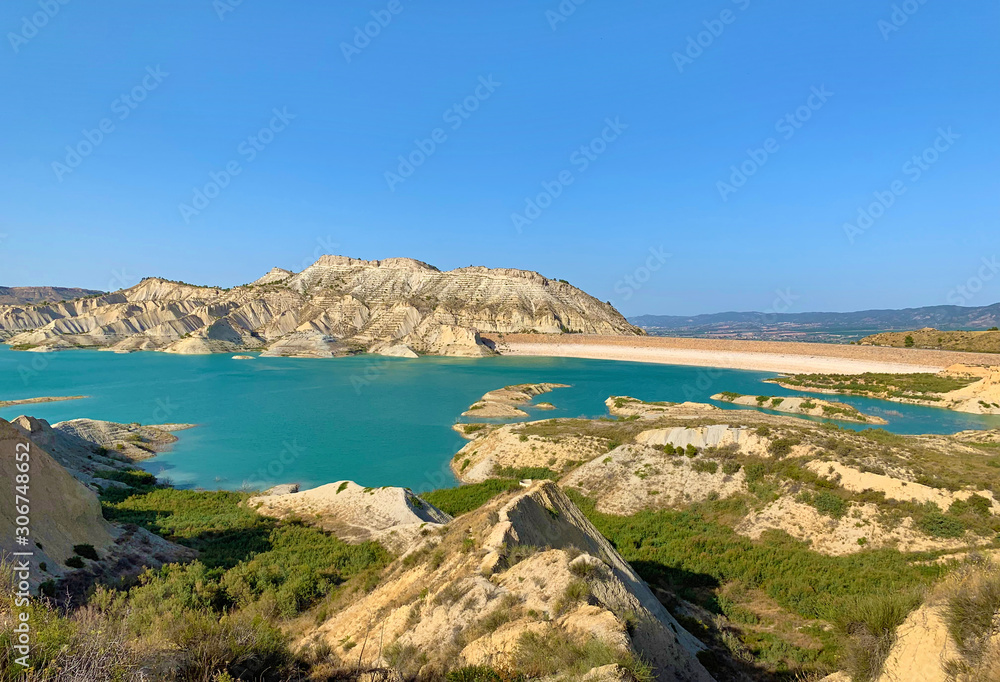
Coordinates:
618 98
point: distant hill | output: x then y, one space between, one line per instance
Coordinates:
33 295
970 341
821 326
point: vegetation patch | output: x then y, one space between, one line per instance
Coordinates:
868 625
521 473
466 498
918 386
686 552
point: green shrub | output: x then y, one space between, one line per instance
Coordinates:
474 673
826 503
755 471
939 525
780 447
976 504
555 652
466 498
520 473
705 466
86 551
74 562
137 478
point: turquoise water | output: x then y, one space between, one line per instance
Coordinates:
377 421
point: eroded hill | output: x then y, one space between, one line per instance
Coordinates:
338 305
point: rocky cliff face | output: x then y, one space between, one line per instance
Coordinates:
65 515
335 306
524 583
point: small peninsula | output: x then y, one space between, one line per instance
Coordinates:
504 402
812 407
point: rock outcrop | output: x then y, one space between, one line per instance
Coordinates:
394 517
526 573
632 478
92 450
335 306
813 407
504 402
65 524
714 436
494 450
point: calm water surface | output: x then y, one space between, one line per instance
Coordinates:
377 421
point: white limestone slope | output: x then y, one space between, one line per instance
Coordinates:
359 305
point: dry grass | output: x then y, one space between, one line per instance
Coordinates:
972 613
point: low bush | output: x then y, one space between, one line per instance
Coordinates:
555 652
521 473
466 498
86 551
868 625
972 605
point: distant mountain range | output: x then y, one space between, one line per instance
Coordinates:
820 326
32 295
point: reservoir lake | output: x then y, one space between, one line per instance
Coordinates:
374 420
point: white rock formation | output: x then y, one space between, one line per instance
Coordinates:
394 517
358 304
715 436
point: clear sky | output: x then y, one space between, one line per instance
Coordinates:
612 111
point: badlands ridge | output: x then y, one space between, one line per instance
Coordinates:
338 305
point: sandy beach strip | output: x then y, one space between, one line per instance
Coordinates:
765 356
